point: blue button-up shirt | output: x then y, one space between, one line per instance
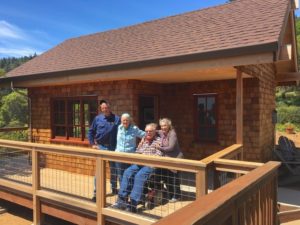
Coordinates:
126 138
103 130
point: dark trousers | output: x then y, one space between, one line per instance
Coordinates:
172 181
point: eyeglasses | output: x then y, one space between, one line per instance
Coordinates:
149 131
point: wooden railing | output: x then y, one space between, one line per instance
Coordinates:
99 208
250 179
8 129
251 199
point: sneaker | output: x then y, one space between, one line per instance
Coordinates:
173 200
94 199
119 205
131 208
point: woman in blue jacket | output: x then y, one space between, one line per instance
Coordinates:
126 141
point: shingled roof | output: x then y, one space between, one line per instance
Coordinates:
230 26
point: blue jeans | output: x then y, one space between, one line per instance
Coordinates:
133 182
121 167
113 170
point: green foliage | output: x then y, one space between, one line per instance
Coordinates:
282 127
14 110
15 135
13 106
289 125
287 114
7 64
288 96
2 72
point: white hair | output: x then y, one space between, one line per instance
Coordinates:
126 115
166 121
153 125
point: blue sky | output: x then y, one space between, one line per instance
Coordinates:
28 27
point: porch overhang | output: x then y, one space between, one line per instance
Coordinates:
283 79
203 69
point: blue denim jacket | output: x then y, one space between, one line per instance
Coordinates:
104 130
126 138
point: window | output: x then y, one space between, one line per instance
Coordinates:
72 117
206 117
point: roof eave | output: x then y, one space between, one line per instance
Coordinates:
224 53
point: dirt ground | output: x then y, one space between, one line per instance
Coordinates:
294 137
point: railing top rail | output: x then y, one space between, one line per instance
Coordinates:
13 129
221 154
155 161
235 166
247 164
205 207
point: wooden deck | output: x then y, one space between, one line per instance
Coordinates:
82 186
68 195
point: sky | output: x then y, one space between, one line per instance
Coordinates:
35 26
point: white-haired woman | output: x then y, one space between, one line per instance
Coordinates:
126 140
170 147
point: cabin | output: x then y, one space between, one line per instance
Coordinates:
212 71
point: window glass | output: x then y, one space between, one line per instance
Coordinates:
72 117
206 118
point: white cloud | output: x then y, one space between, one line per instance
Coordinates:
16 42
8 30
17 52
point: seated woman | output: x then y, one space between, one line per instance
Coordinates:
126 141
170 147
135 176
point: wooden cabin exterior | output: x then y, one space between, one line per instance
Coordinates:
213 72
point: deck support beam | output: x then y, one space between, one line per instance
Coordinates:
100 189
36 186
239 107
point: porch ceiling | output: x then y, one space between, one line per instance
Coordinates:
159 76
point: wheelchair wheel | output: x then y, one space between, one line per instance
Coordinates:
158 198
149 205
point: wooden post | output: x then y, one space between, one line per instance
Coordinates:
100 189
35 187
201 183
239 107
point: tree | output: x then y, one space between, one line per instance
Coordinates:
2 72
14 110
13 106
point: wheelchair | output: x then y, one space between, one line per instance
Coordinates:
155 191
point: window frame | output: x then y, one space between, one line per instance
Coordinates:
67 125
197 125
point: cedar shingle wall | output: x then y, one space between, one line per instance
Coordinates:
176 102
266 104
119 93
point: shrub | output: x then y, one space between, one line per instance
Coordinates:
288 114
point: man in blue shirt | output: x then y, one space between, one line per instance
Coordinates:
103 135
